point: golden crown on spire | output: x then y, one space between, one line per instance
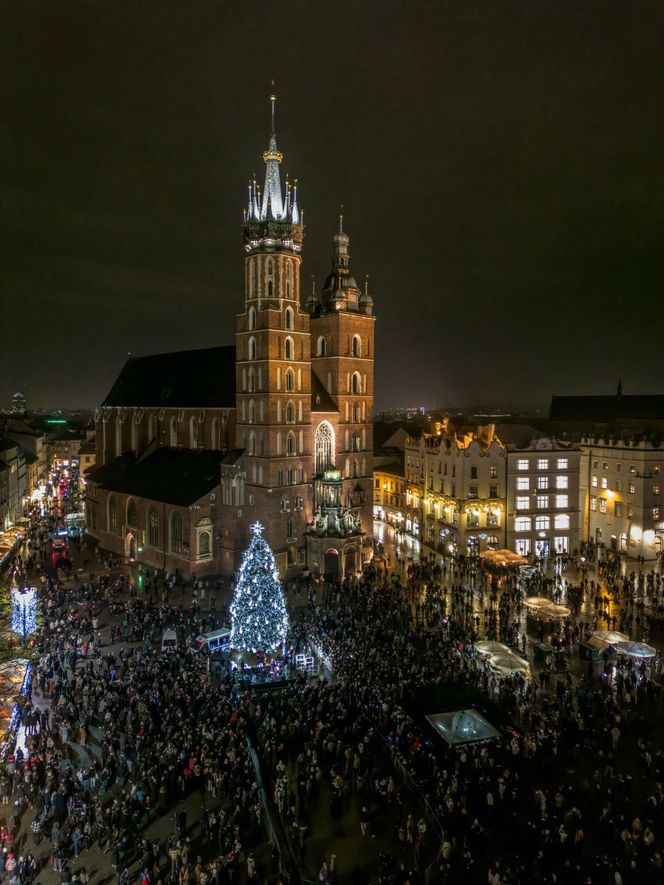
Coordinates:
273 155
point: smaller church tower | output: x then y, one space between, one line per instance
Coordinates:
273 369
342 344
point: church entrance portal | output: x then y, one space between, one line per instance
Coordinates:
130 546
332 565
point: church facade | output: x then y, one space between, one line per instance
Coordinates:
195 446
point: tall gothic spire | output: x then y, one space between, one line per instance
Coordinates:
274 204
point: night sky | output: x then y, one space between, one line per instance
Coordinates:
501 166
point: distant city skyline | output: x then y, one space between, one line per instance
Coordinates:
500 169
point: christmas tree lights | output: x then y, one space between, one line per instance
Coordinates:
259 620
24 610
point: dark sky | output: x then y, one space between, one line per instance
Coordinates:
501 165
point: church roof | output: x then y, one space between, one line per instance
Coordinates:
606 409
195 379
321 401
172 476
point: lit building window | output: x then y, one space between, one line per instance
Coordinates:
522 524
632 468
618 509
561 521
602 505
562 464
522 483
522 503
542 502
542 482
562 500
593 482
543 464
593 502
493 472
542 523
605 482
562 482
655 490
632 488
655 513
522 464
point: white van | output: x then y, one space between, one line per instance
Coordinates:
169 641
214 641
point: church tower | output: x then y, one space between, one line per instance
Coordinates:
342 341
273 367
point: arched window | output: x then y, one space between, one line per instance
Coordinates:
252 348
177 538
357 345
215 438
321 346
269 277
522 524
290 412
290 380
203 544
324 446
112 516
252 412
291 448
252 318
153 527
174 432
289 320
289 279
289 349
252 380
356 383
193 433
132 513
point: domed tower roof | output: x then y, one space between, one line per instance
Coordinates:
340 291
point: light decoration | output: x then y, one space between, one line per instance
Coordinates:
24 610
259 620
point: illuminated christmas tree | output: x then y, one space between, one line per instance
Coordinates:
259 620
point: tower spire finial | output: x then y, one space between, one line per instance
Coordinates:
273 101
341 218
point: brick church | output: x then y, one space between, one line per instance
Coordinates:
195 446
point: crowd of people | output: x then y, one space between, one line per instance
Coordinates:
119 735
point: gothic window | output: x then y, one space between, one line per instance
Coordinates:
252 444
356 383
290 412
132 515
153 527
357 346
290 380
289 320
193 433
289 349
112 516
321 346
176 533
252 412
252 318
252 380
269 277
324 446
203 545
291 448
252 348
216 435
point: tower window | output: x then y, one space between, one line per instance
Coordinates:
290 380
252 318
289 349
290 412
357 346
291 448
356 383
252 380
252 348
324 446
289 319
321 346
